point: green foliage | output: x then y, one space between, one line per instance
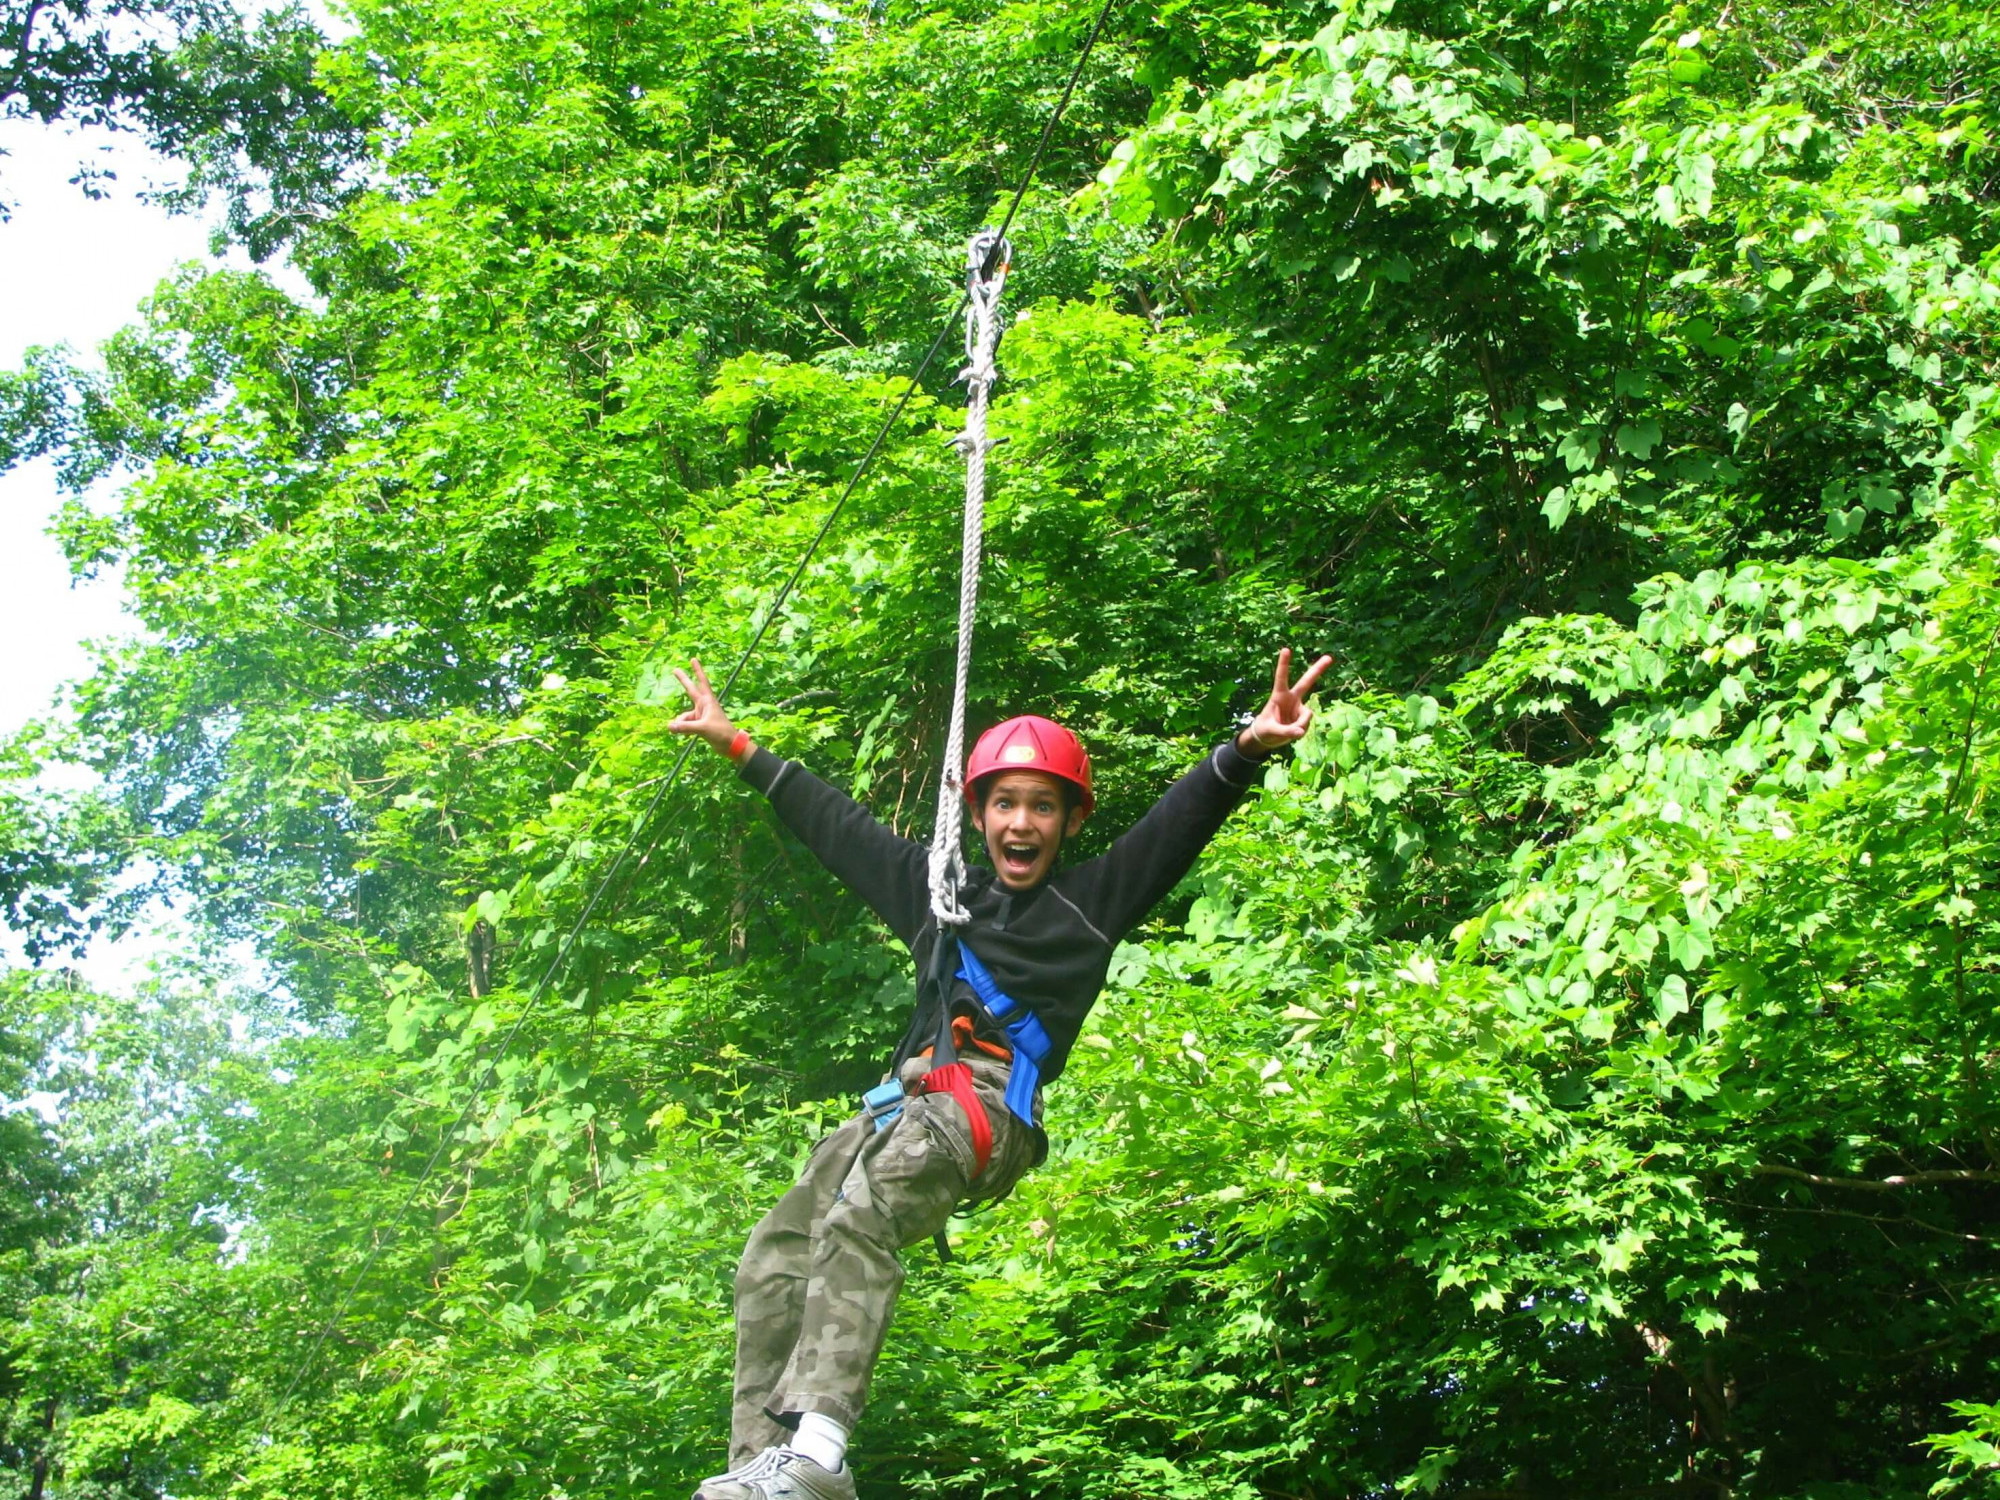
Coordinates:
1571 1074
1970 1452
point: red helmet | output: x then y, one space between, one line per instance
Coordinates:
1030 743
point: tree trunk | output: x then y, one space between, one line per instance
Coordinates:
38 1481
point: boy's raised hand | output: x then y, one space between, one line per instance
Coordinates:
705 717
1285 717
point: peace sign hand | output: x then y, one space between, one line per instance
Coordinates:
706 717
1285 717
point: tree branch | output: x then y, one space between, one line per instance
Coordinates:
1876 1184
13 81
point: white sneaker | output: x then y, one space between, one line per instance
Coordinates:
755 1467
779 1474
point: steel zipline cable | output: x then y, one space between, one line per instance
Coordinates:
381 1240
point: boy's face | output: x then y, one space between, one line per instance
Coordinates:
1025 816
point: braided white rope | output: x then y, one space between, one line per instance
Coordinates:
982 332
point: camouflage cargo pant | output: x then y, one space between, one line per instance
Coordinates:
819 1278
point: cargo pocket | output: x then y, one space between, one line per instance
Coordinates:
1013 1154
919 1170
945 1123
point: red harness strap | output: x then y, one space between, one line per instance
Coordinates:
955 1079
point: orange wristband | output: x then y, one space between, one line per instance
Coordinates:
738 745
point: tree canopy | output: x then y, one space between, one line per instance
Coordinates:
1572 1074
233 99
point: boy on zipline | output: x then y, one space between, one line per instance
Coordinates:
819 1277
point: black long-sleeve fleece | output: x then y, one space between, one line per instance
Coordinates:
1049 947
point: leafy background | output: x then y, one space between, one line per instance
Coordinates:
1572 1075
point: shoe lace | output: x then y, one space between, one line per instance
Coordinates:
764 1464
785 1458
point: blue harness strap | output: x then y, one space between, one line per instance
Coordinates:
1031 1040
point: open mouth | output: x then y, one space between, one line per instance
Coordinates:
1019 859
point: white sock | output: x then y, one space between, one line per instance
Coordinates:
820 1439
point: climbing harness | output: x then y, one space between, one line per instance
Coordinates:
1031 1046
1024 1029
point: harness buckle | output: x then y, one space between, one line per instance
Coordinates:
884 1103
